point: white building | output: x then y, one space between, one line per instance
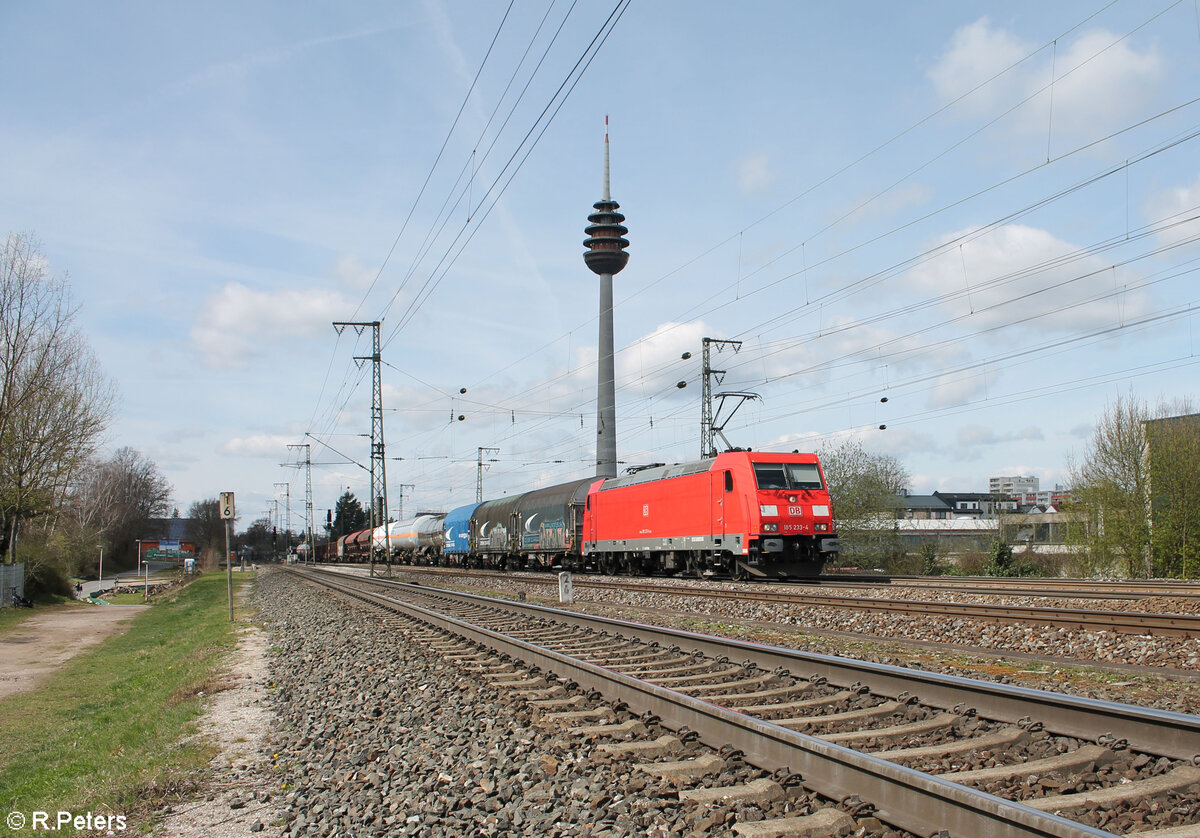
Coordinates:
1010 485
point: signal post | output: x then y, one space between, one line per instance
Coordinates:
226 504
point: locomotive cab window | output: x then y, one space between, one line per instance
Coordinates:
788 476
728 481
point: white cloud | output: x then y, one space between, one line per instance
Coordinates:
1082 431
954 389
271 446
754 175
1028 280
1100 79
352 273
1172 207
903 443
976 435
864 208
977 52
653 363
230 329
972 439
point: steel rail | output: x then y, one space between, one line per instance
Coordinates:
1123 622
1131 587
908 799
1161 732
1072 588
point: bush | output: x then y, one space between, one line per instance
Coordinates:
931 565
1003 564
46 580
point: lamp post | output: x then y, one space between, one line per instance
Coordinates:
139 549
101 579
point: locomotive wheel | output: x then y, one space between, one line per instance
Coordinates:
608 565
739 573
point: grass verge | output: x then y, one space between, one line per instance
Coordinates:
107 733
12 617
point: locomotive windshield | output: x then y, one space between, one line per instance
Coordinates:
787 476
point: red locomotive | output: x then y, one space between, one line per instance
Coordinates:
744 514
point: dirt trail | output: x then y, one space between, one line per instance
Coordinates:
41 644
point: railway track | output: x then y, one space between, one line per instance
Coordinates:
1121 622
922 751
1068 588
986 585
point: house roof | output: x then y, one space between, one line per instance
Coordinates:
923 502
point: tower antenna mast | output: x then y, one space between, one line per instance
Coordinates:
606 256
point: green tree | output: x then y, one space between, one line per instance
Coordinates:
1109 491
1004 564
1173 459
348 516
931 564
1137 491
864 487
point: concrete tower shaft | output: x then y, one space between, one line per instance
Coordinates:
606 256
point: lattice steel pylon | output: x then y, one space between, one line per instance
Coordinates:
287 505
308 503
479 471
378 467
708 443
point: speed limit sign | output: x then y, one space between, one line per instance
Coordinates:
226 504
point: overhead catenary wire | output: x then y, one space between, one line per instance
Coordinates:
638 382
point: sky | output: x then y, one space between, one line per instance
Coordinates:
972 223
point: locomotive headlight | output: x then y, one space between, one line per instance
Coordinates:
791 498
768 509
770 527
821 527
820 511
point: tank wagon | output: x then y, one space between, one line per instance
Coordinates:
746 514
417 540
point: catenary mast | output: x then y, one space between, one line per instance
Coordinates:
606 256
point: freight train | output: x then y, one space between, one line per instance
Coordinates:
743 514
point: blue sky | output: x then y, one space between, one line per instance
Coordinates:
983 212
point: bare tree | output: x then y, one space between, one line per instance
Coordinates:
207 527
54 401
109 504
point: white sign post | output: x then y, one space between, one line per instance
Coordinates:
227 515
566 590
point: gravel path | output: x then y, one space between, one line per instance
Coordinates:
40 645
239 721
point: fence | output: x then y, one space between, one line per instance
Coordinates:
12 583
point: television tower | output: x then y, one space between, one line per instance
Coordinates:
606 256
